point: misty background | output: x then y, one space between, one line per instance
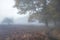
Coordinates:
43 15
7 11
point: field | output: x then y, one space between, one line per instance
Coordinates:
26 32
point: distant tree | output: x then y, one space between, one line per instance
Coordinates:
7 21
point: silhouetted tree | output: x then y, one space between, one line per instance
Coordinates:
7 21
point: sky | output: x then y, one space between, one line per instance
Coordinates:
7 10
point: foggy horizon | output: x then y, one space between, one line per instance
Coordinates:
8 11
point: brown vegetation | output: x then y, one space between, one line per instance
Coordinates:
29 33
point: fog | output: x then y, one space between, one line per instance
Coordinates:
7 10
29 20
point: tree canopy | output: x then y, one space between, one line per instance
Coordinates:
45 10
28 5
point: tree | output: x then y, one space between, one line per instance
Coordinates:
28 5
53 11
49 12
41 15
34 7
7 21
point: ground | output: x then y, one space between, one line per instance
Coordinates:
27 32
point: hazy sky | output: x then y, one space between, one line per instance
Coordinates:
7 10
